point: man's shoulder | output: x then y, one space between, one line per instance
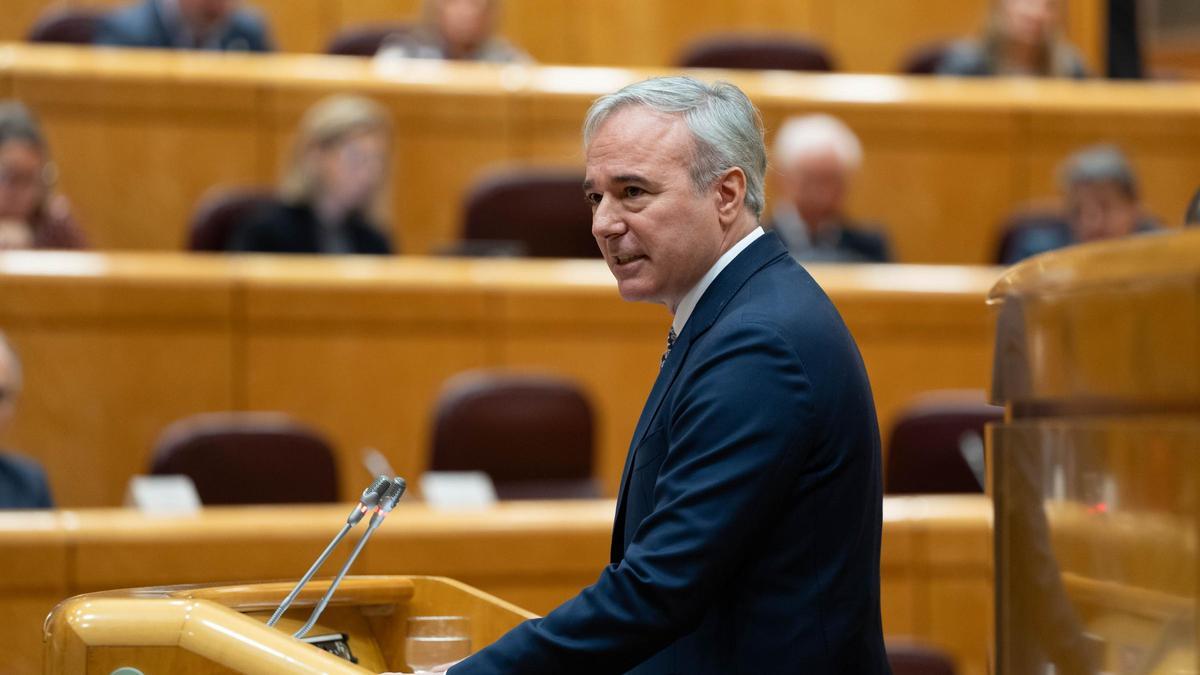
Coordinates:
23 483
250 25
133 24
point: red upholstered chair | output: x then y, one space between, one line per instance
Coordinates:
925 449
249 458
67 26
757 52
925 59
219 213
908 658
539 212
364 39
533 434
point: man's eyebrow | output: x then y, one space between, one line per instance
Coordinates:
623 179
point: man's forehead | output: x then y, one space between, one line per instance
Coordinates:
637 135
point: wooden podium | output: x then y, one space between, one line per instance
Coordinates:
222 629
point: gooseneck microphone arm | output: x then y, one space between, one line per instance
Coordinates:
370 497
386 503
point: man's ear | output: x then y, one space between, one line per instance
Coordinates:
731 195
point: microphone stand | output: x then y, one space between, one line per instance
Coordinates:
386 504
370 497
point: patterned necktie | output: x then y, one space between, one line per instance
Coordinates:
670 343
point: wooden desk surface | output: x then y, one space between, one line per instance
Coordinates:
945 160
118 346
865 36
535 555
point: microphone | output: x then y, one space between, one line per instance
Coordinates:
386 503
370 497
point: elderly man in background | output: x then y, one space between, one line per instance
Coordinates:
458 30
816 157
1102 202
748 521
22 482
219 25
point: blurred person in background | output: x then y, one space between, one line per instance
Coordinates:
1021 37
1102 202
1191 217
22 482
31 214
217 25
460 30
816 157
336 176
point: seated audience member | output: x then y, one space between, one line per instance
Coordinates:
31 214
22 482
218 25
815 159
461 30
1102 203
1022 37
1192 217
338 170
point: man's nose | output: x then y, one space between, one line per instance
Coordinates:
607 220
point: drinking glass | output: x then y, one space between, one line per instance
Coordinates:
436 640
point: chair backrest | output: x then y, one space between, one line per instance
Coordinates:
363 39
542 209
219 213
1027 222
925 59
249 458
533 434
908 658
67 26
925 449
751 52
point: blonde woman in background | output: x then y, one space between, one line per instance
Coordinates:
460 30
32 215
338 170
1022 37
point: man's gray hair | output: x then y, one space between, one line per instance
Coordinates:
1100 164
726 128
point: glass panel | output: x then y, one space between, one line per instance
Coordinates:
1096 563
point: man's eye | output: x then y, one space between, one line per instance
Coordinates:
633 191
592 198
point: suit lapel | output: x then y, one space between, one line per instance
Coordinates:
759 254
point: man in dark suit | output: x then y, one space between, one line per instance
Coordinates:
22 482
748 521
185 24
816 157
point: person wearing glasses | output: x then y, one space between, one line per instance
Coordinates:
32 215
22 482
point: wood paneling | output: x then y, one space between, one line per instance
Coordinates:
945 161
533 556
118 346
864 36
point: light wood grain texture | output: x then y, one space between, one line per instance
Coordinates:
945 161
116 347
530 555
865 36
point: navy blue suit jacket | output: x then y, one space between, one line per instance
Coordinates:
23 484
748 523
143 25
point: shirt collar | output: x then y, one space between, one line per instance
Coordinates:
692 297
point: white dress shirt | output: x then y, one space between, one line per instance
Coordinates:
692 297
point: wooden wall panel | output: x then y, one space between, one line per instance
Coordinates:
116 347
865 36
